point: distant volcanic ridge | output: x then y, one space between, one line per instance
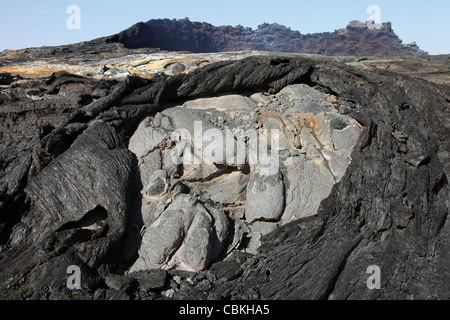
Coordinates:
357 39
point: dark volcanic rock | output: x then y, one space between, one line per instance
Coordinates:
69 188
150 280
7 79
226 270
358 39
118 282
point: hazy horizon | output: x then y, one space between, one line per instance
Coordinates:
44 23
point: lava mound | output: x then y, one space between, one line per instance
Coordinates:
269 177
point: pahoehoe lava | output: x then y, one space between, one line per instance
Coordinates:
71 191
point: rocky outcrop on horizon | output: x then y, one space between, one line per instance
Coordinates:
357 39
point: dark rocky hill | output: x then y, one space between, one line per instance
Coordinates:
357 39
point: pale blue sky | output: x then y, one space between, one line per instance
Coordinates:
31 23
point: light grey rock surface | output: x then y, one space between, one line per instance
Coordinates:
228 189
187 235
265 197
273 181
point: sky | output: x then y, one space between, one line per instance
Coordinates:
31 23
